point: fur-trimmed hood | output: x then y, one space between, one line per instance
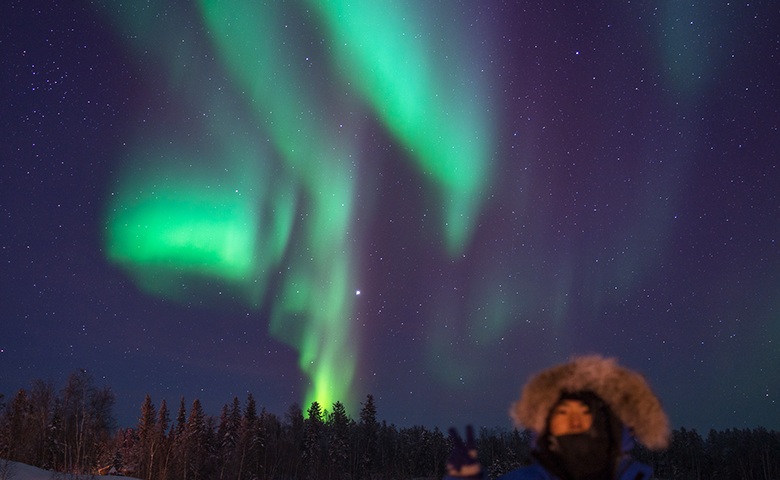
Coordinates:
626 392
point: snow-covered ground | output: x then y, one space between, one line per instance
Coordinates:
20 471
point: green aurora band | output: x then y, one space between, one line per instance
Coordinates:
411 70
243 204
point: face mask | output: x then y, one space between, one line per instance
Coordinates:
583 456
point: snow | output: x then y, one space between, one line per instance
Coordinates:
20 471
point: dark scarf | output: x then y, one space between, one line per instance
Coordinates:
590 455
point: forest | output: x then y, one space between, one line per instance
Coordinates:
72 429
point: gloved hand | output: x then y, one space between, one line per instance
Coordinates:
463 461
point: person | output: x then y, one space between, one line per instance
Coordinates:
583 416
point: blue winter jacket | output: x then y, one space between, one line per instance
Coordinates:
628 468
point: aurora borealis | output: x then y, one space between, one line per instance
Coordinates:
173 219
423 201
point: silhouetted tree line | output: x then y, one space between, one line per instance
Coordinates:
72 430
69 430
244 443
732 454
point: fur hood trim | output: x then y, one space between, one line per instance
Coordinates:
625 391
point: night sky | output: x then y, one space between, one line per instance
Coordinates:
423 201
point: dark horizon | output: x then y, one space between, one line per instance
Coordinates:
172 405
251 443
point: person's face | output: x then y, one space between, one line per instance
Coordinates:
570 417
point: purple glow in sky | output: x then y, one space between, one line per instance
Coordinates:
629 207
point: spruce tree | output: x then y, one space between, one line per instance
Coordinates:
163 419
227 434
312 451
163 442
292 446
247 440
338 441
368 436
176 465
181 418
195 442
145 448
229 438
